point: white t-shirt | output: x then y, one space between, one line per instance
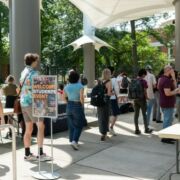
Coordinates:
119 80
115 87
151 81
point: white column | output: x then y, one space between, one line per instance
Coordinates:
25 32
89 53
177 34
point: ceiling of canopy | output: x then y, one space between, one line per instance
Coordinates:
103 13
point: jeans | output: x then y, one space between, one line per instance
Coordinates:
140 104
76 119
168 116
156 107
103 118
150 104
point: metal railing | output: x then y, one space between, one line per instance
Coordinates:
3 126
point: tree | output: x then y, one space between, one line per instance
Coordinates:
4 29
61 24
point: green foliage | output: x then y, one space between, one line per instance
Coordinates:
4 29
61 24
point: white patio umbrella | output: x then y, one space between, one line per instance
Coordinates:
98 43
104 13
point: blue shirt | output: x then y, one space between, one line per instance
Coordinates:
26 91
73 91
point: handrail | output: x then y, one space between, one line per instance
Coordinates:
3 126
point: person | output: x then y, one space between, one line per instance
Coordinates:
9 90
74 95
123 82
151 82
60 93
103 112
31 63
178 99
114 102
141 104
156 107
1 114
168 91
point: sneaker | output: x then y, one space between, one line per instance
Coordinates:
31 157
159 121
74 145
148 131
112 132
44 157
167 141
103 138
137 131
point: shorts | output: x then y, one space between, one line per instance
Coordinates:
27 114
114 107
123 91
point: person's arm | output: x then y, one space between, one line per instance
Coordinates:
109 88
64 97
4 91
1 114
168 91
82 96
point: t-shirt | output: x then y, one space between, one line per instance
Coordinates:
26 91
151 81
73 91
115 88
166 101
9 90
144 84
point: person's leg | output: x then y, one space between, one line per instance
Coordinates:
78 121
136 114
70 127
155 108
143 109
28 133
150 104
168 116
158 114
178 107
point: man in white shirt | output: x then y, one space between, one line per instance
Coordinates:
151 81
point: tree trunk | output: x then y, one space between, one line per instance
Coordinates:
134 48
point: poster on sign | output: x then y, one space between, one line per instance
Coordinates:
44 95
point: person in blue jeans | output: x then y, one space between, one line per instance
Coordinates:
74 95
168 91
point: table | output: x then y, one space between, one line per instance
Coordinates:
172 132
59 123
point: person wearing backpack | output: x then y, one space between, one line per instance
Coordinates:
140 102
123 82
103 111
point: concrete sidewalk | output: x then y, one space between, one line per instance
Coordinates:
123 157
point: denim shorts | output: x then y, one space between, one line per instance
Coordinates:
114 107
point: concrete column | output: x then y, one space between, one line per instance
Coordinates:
89 53
25 32
177 34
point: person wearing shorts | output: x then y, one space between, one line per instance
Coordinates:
113 103
31 62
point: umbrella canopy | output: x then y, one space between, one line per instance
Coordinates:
109 12
98 43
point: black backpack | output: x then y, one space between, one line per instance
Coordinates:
98 97
136 89
125 82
